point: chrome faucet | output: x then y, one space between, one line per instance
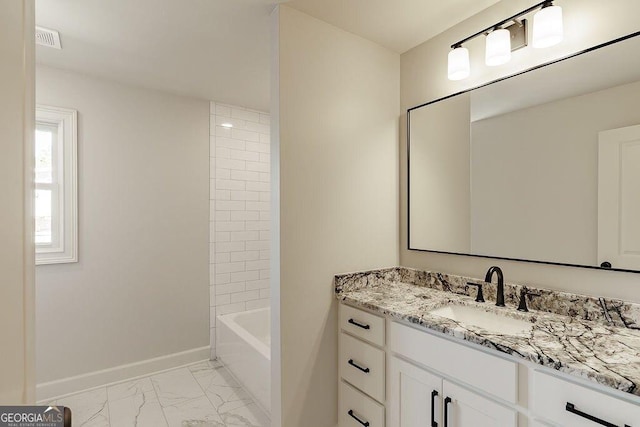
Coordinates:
500 291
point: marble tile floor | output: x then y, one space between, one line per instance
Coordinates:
200 395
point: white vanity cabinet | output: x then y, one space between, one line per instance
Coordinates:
396 375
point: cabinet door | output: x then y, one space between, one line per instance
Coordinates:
463 408
415 395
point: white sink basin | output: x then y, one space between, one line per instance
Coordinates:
472 316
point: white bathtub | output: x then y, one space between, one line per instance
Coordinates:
243 344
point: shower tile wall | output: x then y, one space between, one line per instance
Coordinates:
239 221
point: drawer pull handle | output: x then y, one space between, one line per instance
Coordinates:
447 400
352 415
572 408
434 393
355 365
359 325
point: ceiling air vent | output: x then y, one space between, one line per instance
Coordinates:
48 38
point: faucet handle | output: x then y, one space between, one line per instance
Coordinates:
479 296
522 305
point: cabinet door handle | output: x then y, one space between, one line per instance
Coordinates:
447 400
572 408
352 415
434 393
359 325
355 365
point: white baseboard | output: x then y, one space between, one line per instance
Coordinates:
65 386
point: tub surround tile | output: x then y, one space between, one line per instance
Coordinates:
594 338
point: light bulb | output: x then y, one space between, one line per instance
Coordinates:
459 67
498 47
547 27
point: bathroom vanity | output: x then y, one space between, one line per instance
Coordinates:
416 349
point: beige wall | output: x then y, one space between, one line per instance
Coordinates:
424 78
16 218
140 288
337 112
535 188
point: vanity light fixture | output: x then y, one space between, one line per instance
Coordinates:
509 35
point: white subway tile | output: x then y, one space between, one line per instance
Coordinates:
265 274
231 308
236 122
222 173
265 254
244 216
258 303
242 236
245 296
232 267
244 276
223 153
257 147
257 284
257 225
230 288
265 196
257 186
265 138
245 135
224 256
229 246
257 265
265 119
265 216
230 226
235 144
231 164
245 195
264 293
257 206
212 125
229 184
264 236
212 146
256 166
245 256
222 110
222 300
245 115
223 216
257 127
257 245
264 158
222 132
265 177
222 194
245 175
221 279
244 155
231 205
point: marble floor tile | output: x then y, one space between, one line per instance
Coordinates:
175 387
130 389
196 412
88 409
139 410
200 395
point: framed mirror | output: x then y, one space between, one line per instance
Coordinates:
543 166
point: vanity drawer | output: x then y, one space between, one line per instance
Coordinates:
357 409
492 374
366 326
552 396
362 365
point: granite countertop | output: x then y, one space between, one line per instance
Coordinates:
592 338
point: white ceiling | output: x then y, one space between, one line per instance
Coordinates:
218 49
397 24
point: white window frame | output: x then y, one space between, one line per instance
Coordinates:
64 248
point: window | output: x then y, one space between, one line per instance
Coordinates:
56 226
